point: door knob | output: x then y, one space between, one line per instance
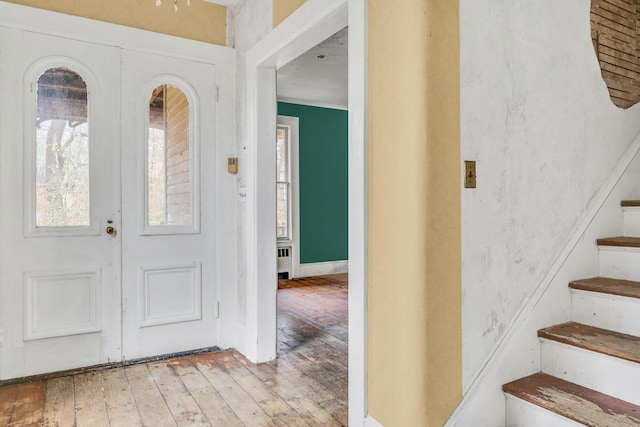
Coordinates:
110 230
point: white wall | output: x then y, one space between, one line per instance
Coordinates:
536 116
252 20
519 354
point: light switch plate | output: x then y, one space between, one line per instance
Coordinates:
232 165
469 174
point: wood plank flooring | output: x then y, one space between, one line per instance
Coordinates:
305 386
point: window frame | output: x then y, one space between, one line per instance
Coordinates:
289 184
193 227
31 77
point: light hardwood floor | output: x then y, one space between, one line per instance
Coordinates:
306 385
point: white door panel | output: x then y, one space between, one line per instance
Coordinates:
71 294
168 233
59 270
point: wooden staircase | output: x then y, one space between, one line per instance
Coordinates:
591 365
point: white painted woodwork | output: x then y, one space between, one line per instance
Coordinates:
60 353
518 353
609 375
102 33
619 262
79 277
171 294
521 413
79 293
358 209
371 422
294 136
313 22
611 312
55 282
228 3
322 268
169 272
310 24
631 221
142 126
32 74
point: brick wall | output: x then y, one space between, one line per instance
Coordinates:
178 159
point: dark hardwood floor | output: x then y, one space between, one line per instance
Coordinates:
306 384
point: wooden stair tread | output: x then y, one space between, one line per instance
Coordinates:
606 285
575 402
602 341
630 203
630 242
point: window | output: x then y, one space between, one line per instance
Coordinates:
283 183
169 158
62 178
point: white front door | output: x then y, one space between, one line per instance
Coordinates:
107 245
59 191
169 292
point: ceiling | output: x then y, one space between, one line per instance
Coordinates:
319 76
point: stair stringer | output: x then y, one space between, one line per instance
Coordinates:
517 354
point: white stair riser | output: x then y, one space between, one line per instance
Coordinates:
521 413
605 311
631 221
619 263
610 375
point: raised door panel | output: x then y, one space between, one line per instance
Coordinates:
168 206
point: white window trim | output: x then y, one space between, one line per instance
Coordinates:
289 182
293 123
145 228
30 114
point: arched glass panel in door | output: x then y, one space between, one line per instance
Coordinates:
169 158
62 150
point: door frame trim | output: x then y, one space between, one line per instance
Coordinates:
310 24
42 21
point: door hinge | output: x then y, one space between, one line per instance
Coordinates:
217 93
217 311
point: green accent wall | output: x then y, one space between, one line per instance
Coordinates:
323 160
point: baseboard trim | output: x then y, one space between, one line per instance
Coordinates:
371 422
322 268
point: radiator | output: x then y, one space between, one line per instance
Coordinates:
284 262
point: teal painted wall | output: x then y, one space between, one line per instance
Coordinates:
323 160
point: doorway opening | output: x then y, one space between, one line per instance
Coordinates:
313 22
312 161
312 215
